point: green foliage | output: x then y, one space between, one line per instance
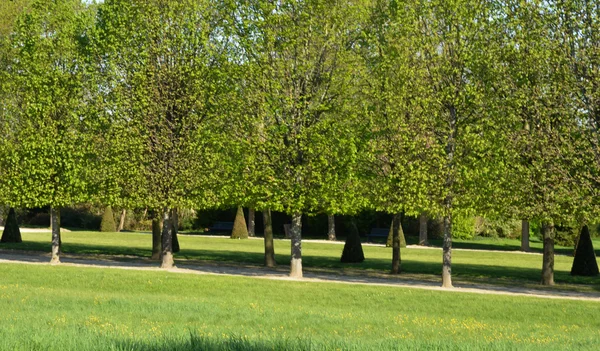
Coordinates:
108 221
566 234
497 228
240 230
11 232
585 262
463 227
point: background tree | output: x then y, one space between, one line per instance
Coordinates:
167 84
298 65
45 119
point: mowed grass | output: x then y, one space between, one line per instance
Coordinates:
72 308
468 266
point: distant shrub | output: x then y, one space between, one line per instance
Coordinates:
108 221
240 230
463 227
497 228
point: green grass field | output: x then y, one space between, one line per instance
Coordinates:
482 267
72 308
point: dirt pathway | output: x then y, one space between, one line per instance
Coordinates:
135 263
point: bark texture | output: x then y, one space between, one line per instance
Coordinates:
296 233
269 247
156 236
423 229
175 221
548 258
251 222
396 223
56 242
447 253
167 241
525 236
122 220
331 227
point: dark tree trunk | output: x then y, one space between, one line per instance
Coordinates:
331 227
269 247
296 232
175 219
548 258
56 242
167 240
251 222
525 236
396 260
122 220
423 229
156 236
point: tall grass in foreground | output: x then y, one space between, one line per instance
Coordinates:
72 308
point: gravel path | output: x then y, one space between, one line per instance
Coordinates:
135 263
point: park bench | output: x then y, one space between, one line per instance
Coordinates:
221 227
378 233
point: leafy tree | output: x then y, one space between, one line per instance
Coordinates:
298 78
166 95
44 122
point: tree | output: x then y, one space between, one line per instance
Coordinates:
584 262
45 135
165 92
298 73
11 232
108 221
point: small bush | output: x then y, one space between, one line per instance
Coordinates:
463 227
11 233
108 221
240 230
353 251
585 263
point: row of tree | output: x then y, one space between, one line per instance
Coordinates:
445 107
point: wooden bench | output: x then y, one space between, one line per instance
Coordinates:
221 227
378 233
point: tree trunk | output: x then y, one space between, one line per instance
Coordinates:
296 233
423 229
447 246
122 220
167 240
548 258
56 242
251 222
525 236
269 248
447 253
396 223
331 227
175 221
156 237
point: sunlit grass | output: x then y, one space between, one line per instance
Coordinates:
504 267
73 308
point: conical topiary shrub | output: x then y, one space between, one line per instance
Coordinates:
353 252
584 262
240 230
108 221
389 242
11 233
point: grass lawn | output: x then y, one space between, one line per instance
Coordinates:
504 268
73 308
